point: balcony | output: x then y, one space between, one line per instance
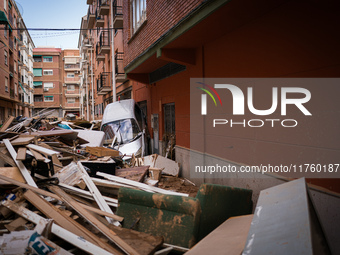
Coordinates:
104 42
91 16
89 1
11 44
117 8
104 83
11 93
104 8
119 66
75 80
72 67
99 57
99 19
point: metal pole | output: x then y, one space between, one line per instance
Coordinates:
113 73
87 96
92 84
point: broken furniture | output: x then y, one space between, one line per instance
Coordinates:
168 215
173 217
285 222
220 202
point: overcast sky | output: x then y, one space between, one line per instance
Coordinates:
53 14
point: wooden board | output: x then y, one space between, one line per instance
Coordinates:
7 123
134 173
22 140
7 159
13 173
102 151
49 194
51 133
37 155
19 164
229 238
65 221
21 153
111 235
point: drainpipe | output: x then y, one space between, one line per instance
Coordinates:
113 75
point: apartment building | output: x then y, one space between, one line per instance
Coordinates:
101 49
48 80
71 87
16 64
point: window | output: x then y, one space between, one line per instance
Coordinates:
6 57
48 85
37 84
5 31
70 87
6 84
38 98
138 12
70 75
71 100
48 59
37 72
48 99
48 72
5 4
15 88
15 66
37 58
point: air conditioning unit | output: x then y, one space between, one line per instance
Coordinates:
45 89
64 85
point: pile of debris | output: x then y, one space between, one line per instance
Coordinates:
59 193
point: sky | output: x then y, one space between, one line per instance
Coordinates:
53 14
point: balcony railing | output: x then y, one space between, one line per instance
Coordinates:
91 16
99 19
117 9
72 67
104 7
73 80
11 93
104 42
104 83
119 67
11 44
99 56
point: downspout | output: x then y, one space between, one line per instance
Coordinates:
113 75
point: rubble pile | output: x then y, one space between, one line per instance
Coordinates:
60 191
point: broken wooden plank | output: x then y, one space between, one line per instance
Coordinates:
42 150
20 165
111 235
51 133
96 194
37 155
49 194
7 159
7 123
57 230
86 194
13 173
22 140
64 221
141 186
21 153
102 151
15 224
133 173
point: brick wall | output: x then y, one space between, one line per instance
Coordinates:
160 17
